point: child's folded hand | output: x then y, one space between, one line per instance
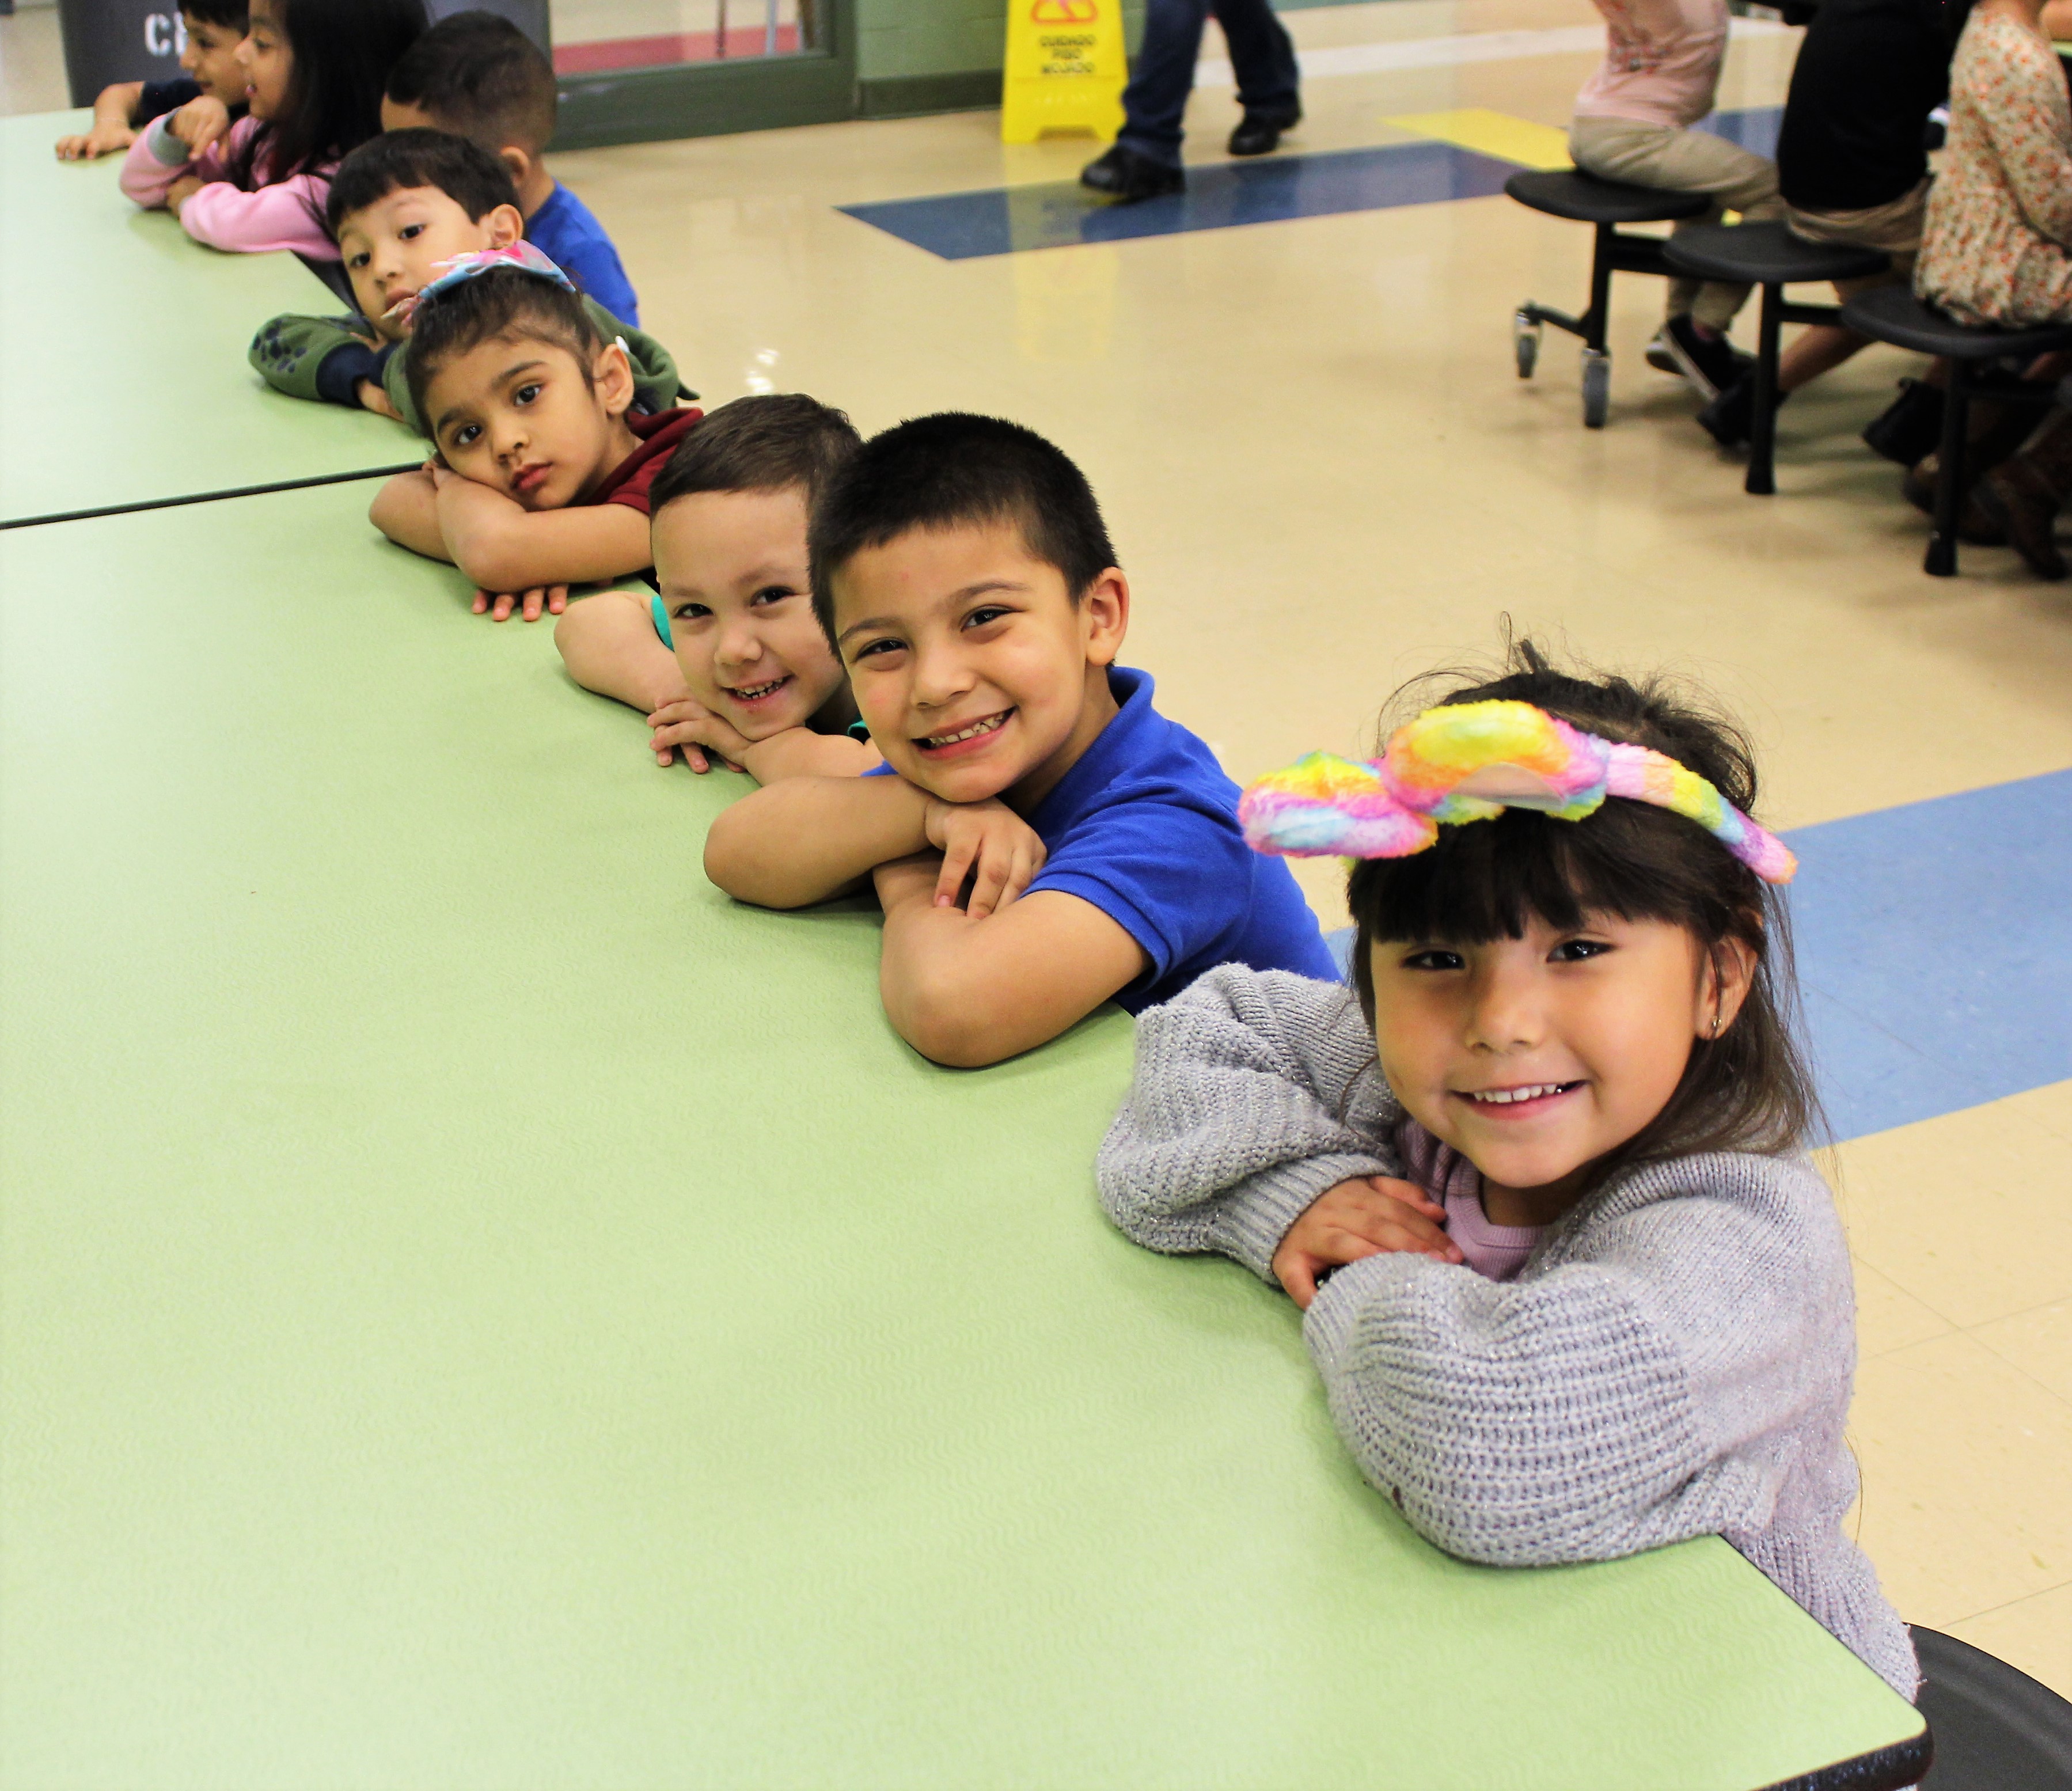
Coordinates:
199 123
704 739
498 605
1361 1217
986 844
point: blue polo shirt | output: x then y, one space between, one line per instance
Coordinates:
1144 827
566 231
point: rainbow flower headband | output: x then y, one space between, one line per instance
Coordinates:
1469 762
520 255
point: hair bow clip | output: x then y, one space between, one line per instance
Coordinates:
1468 762
521 255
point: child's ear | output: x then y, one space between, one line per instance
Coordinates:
1730 974
1104 616
518 161
504 225
612 374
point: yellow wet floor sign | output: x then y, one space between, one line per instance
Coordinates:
1066 68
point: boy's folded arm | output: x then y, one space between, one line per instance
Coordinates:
503 547
1255 1091
310 357
806 840
1603 1408
968 993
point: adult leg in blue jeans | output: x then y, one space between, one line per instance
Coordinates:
1146 160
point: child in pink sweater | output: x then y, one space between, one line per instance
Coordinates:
314 70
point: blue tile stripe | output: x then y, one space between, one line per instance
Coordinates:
1004 221
1001 220
1935 944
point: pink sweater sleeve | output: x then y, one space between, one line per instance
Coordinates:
147 179
287 214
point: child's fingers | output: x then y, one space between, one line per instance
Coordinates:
481 602
502 611
1406 1193
534 603
956 867
988 883
557 598
1297 1272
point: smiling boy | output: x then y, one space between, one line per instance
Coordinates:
209 34
726 659
961 567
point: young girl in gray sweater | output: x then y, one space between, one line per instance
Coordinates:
1537 1178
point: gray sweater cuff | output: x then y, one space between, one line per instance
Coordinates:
165 146
1334 1315
1251 1226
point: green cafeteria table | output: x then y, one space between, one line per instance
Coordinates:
480 1309
123 378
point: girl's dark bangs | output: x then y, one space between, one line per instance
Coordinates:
1490 880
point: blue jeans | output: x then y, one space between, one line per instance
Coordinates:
1156 99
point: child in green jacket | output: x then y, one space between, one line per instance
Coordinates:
400 204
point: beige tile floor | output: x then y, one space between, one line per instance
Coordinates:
1324 479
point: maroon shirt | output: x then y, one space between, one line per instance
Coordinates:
627 483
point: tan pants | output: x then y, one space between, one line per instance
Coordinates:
1894 227
1683 161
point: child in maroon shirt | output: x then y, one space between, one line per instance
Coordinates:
541 474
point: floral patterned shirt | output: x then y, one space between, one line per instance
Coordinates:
1997 247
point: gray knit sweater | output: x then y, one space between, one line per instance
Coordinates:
1674 1360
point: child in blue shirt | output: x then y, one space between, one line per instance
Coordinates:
477 76
1042 838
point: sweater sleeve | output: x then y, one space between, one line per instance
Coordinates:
291 352
2023 114
1606 1407
287 215
156 159
1240 1114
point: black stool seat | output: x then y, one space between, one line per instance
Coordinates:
1994 1727
1768 255
1893 314
1570 193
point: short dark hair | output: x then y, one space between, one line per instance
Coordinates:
465 172
770 443
503 301
217 12
477 73
1748 1090
951 469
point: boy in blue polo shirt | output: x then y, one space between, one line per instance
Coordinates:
476 75
1042 838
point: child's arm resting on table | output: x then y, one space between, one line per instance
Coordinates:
1608 1406
502 546
810 839
967 988
114 108
406 509
1254 1095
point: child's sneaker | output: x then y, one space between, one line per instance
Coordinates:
1709 362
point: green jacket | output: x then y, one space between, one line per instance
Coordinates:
327 357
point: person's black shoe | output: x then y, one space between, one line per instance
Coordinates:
1729 419
1908 429
1709 362
1259 133
1127 177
